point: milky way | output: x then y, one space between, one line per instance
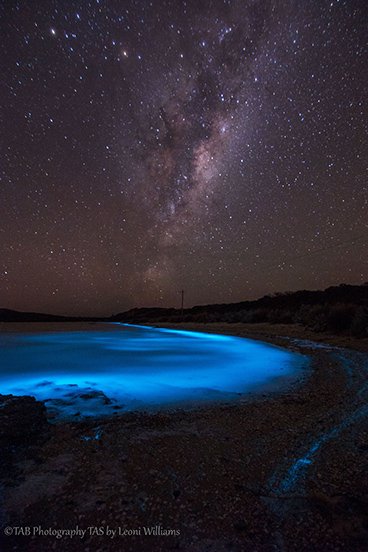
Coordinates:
149 147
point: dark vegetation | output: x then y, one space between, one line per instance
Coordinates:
339 310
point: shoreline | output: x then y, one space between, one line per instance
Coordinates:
276 334
219 474
263 331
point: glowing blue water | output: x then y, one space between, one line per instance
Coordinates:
89 373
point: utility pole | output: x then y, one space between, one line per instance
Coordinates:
182 303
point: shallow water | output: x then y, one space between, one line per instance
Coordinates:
126 367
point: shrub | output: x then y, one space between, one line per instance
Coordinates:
359 325
340 317
313 317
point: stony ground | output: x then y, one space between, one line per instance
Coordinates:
278 473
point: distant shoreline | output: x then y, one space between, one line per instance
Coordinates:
282 333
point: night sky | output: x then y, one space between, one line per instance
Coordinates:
214 146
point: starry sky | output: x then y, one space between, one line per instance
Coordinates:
218 147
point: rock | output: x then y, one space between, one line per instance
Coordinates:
96 395
22 419
23 424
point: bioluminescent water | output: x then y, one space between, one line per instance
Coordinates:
290 478
125 367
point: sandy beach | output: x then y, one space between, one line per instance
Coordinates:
278 472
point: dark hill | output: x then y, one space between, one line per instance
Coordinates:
338 309
8 315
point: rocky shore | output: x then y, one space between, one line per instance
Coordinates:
275 473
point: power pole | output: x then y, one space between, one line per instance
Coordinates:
182 303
